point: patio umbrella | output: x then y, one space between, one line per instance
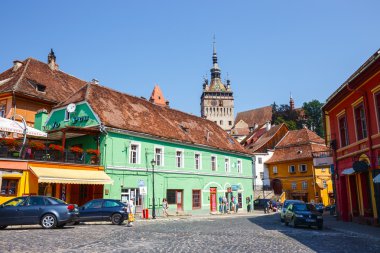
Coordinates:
7 125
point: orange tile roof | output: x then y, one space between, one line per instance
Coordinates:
24 80
298 145
256 116
122 111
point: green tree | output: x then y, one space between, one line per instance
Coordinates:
313 116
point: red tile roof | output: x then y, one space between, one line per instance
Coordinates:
298 145
24 81
256 116
260 141
122 111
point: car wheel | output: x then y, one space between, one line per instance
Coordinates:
49 221
116 219
293 223
3 226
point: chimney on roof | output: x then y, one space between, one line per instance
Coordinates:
16 65
52 60
268 125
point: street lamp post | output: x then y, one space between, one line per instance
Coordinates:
153 162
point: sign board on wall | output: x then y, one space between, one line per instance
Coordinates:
143 190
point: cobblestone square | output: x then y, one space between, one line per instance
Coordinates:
256 233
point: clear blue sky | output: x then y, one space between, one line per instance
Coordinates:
269 48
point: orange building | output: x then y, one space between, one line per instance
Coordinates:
26 88
291 169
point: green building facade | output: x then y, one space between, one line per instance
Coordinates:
192 176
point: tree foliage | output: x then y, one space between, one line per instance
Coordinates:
310 115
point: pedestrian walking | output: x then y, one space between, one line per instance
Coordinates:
131 212
236 205
225 203
248 201
165 207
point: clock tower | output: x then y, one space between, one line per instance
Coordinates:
217 100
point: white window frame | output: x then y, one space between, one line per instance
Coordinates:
239 165
260 160
304 185
182 157
162 155
294 171
227 165
294 185
67 116
138 152
300 168
216 163
200 161
274 170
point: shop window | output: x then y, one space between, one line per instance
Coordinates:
170 196
275 170
196 199
213 163
159 156
343 131
134 153
302 168
360 120
179 159
197 161
292 169
9 187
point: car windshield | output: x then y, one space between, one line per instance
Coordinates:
303 207
15 202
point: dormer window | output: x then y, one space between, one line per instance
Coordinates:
40 88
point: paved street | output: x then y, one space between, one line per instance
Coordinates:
257 233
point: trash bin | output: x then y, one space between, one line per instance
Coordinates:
145 214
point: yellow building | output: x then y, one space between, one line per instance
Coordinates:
291 169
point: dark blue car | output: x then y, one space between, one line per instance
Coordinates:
47 211
103 210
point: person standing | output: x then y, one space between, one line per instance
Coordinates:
236 204
165 207
131 212
248 200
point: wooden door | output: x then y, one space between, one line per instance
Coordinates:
213 199
179 200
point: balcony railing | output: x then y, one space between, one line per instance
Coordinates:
49 155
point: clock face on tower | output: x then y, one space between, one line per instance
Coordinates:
214 103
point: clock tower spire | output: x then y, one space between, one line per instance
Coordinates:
217 101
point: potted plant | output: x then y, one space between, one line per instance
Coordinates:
10 146
56 147
76 149
94 159
37 145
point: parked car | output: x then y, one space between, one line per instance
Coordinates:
259 204
285 206
103 210
47 211
319 206
303 214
